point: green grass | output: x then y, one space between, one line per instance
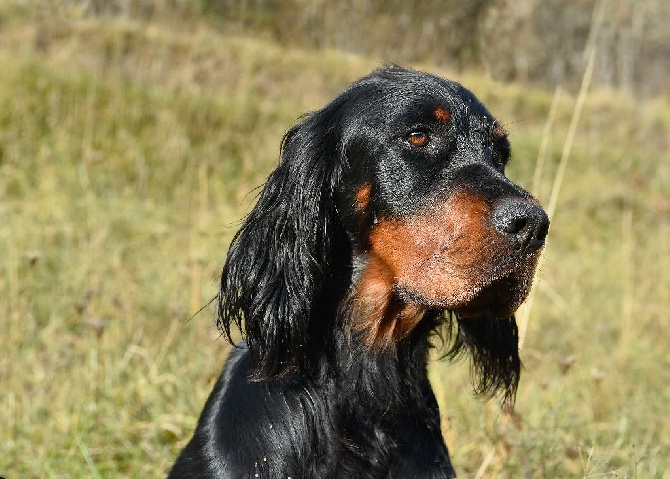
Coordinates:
127 152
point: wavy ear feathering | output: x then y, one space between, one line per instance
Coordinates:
280 255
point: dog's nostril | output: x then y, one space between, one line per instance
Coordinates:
543 231
525 224
516 226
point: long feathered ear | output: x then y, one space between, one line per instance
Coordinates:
279 257
494 347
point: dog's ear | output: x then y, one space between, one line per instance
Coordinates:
278 259
494 347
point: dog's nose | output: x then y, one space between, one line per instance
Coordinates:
525 224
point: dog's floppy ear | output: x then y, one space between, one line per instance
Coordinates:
277 260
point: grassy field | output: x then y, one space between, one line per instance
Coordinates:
127 152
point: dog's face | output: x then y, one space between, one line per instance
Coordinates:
434 221
389 202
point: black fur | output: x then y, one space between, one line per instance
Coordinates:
308 394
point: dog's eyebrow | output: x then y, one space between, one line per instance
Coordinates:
441 114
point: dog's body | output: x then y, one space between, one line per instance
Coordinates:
336 424
388 217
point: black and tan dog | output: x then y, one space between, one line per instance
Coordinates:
388 218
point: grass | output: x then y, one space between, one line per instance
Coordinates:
127 152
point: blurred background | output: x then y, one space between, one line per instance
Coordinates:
133 135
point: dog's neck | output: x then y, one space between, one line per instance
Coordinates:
340 354
378 381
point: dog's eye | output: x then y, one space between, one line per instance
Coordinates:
417 138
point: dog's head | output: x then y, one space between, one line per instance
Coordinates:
407 170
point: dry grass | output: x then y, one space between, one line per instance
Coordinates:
126 154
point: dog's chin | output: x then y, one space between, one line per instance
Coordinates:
498 298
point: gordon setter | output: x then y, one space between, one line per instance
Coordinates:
388 221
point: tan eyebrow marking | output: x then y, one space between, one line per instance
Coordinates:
441 114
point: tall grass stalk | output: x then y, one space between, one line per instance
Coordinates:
544 143
485 464
565 156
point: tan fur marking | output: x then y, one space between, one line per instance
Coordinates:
442 115
436 254
363 196
448 257
384 318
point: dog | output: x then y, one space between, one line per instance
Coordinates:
387 223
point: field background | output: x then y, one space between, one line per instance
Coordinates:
129 142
